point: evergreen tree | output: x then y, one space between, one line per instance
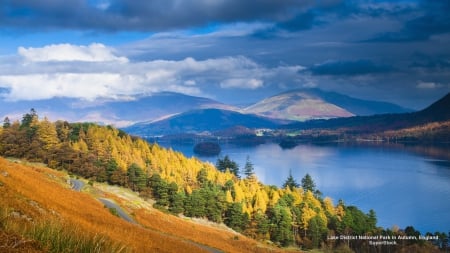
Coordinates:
290 182
202 177
6 123
235 218
281 225
176 205
226 163
28 118
111 166
249 171
195 204
308 183
136 177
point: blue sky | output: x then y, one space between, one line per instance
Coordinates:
233 51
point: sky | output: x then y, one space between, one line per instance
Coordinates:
233 51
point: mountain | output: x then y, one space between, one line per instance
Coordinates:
119 113
436 112
306 104
196 121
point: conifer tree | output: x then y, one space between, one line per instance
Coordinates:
290 182
6 123
249 171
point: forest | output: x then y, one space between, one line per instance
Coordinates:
295 214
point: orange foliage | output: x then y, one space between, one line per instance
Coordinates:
39 193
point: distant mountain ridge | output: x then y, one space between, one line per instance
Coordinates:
119 113
436 112
313 103
302 104
201 120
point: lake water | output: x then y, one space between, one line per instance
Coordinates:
404 185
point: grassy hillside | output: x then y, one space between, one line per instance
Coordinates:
37 201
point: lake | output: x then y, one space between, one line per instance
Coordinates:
406 186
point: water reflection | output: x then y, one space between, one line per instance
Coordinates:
405 185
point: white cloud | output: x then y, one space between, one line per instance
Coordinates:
49 73
242 83
95 52
428 85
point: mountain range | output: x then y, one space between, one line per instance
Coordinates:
216 120
119 113
297 105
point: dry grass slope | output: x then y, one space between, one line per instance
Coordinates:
38 197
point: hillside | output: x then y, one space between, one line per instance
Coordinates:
306 104
119 113
198 121
32 194
175 184
434 117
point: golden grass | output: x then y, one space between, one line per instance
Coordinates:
41 194
222 239
34 193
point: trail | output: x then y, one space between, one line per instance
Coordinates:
122 214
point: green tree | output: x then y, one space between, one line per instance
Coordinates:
226 163
176 205
249 171
235 218
281 225
137 179
202 177
308 183
6 123
317 230
195 204
290 182
111 166
28 118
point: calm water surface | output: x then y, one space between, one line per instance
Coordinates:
403 186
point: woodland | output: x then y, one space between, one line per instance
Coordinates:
295 214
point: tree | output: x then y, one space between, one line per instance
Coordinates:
136 177
47 135
28 118
6 123
290 182
176 205
235 218
281 223
202 177
226 163
249 171
308 183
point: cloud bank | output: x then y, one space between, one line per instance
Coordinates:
95 71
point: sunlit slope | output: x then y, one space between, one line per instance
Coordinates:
36 193
297 106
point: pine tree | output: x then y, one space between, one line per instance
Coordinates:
249 171
136 177
290 182
308 183
6 123
226 163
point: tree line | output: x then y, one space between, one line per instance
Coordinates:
294 214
